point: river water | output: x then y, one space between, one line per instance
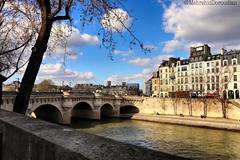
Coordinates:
189 142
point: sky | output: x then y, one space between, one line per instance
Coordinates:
168 27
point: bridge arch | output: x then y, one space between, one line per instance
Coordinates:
129 109
106 110
83 110
49 113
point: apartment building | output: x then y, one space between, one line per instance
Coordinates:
155 84
202 74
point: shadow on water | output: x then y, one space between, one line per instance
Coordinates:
88 123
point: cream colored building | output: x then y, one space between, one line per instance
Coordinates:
202 74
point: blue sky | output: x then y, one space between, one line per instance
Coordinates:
171 27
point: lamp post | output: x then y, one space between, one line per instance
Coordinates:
2 79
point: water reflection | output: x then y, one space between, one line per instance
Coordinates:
195 143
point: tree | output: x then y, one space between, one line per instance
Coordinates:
42 15
225 75
46 85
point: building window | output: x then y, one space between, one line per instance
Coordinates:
208 70
192 87
192 66
226 86
217 86
234 69
196 79
225 63
235 85
217 70
217 78
196 65
200 65
208 79
155 81
185 73
200 79
235 78
212 70
208 64
213 87
234 62
186 80
213 78
225 78
155 88
208 86
217 63
201 87
192 79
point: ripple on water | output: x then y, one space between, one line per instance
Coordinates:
191 142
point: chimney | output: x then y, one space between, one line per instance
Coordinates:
222 51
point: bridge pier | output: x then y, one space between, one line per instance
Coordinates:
66 117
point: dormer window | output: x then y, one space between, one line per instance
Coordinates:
225 63
234 62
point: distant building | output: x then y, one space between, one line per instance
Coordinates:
87 88
155 84
109 83
148 88
124 89
13 87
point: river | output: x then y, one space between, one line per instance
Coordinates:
189 142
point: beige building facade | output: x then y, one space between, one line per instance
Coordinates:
203 74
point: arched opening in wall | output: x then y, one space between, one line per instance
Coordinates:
49 113
107 111
128 109
82 110
237 94
230 94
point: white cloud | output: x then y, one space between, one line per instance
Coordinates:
116 20
190 24
123 53
148 62
150 65
66 41
145 74
140 61
58 72
172 45
78 40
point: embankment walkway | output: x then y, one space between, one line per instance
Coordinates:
217 123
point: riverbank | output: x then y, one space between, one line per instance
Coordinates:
216 123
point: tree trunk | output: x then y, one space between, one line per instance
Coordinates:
224 109
27 84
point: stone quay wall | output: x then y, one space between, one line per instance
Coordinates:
171 106
23 138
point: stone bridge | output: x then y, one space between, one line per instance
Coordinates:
57 108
